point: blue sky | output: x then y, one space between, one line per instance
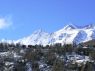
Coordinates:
19 18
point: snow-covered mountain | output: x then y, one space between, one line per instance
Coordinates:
68 34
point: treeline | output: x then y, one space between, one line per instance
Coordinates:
53 57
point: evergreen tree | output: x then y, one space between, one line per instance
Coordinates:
58 65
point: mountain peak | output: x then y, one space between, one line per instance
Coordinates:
69 27
38 31
91 26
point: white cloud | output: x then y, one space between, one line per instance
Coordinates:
5 22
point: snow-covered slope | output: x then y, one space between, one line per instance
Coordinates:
38 37
68 34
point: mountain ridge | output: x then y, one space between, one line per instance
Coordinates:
67 35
